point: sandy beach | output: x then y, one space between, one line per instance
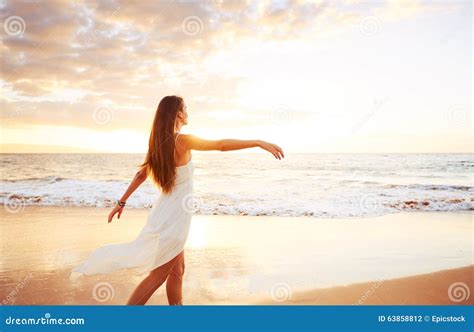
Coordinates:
425 289
404 258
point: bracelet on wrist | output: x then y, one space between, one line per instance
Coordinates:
121 203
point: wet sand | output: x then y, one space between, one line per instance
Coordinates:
410 258
448 287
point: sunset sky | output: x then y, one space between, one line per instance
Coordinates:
313 76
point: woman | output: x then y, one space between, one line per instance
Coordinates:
158 249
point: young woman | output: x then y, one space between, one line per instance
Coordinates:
158 249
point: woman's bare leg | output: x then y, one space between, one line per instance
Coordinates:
150 284
174 283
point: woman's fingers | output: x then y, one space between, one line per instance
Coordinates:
274 149
114 211
276 154
280 150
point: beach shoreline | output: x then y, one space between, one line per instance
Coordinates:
446 287
246 260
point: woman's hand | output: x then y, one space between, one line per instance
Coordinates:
272 148
117 209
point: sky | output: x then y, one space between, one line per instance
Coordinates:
311 76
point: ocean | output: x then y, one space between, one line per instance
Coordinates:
315 185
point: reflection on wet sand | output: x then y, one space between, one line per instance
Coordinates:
229 259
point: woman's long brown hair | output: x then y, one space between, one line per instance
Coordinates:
160 158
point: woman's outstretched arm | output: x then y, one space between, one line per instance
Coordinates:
138 179
195 143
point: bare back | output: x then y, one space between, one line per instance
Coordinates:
182 153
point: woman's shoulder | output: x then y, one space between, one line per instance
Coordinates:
183 140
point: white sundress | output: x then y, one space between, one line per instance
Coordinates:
162 238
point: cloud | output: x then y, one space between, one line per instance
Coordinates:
75 56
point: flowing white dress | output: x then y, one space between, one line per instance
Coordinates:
162 238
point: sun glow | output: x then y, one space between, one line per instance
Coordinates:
348 81
198 237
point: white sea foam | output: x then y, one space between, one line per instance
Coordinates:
320 185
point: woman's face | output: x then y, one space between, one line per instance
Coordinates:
183 115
